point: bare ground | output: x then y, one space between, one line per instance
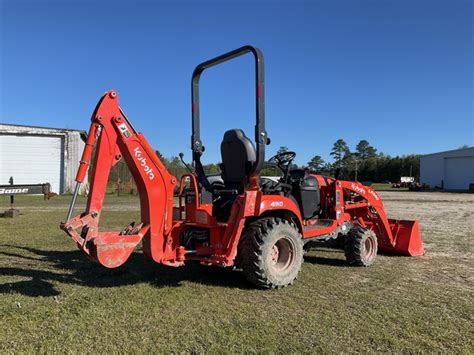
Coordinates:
446 223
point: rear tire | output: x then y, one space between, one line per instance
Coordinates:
360 246
271 252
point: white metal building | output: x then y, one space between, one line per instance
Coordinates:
34 155
451 170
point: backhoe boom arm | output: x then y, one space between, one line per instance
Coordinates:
114 138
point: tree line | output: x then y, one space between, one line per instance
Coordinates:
365 164
362 164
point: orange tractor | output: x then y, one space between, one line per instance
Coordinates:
240 219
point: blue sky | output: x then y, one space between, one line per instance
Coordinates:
397 73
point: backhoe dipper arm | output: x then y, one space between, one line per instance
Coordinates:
114 138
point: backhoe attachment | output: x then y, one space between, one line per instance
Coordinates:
111 138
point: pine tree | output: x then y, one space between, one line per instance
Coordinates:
339 151
316 163
364 150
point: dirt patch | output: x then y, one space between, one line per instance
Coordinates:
446 225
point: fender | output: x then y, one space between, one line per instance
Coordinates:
276 203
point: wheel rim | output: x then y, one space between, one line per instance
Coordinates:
282 254
369 246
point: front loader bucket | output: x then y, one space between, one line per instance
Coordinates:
407 238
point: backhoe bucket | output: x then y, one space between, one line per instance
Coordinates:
112 250
407 238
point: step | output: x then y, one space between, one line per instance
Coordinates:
320 224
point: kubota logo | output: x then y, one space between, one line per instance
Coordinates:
358 189
362 191
143 163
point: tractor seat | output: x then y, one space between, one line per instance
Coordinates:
238 157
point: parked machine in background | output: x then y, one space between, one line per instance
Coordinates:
257 224
405 181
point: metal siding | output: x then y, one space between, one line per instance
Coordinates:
455 168
431 170
31 160
75 146
459 172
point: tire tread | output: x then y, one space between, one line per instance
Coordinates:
354 246
251 251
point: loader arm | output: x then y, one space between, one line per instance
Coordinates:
114 138
394 236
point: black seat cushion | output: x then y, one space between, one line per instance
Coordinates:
238 156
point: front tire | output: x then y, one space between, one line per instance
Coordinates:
271 252
360 246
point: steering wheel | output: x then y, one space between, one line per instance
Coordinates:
283 160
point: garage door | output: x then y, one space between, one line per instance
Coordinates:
458 172
31 160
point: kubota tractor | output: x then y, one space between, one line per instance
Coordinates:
255 223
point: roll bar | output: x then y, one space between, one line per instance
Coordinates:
261 138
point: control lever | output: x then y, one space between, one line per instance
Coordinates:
181 156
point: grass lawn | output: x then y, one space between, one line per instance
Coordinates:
52 299
386 187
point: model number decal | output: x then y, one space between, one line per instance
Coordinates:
143 163
276 204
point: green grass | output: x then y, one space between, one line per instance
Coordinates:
386 187
52 299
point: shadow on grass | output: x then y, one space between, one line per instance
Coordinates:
48 268
324 261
